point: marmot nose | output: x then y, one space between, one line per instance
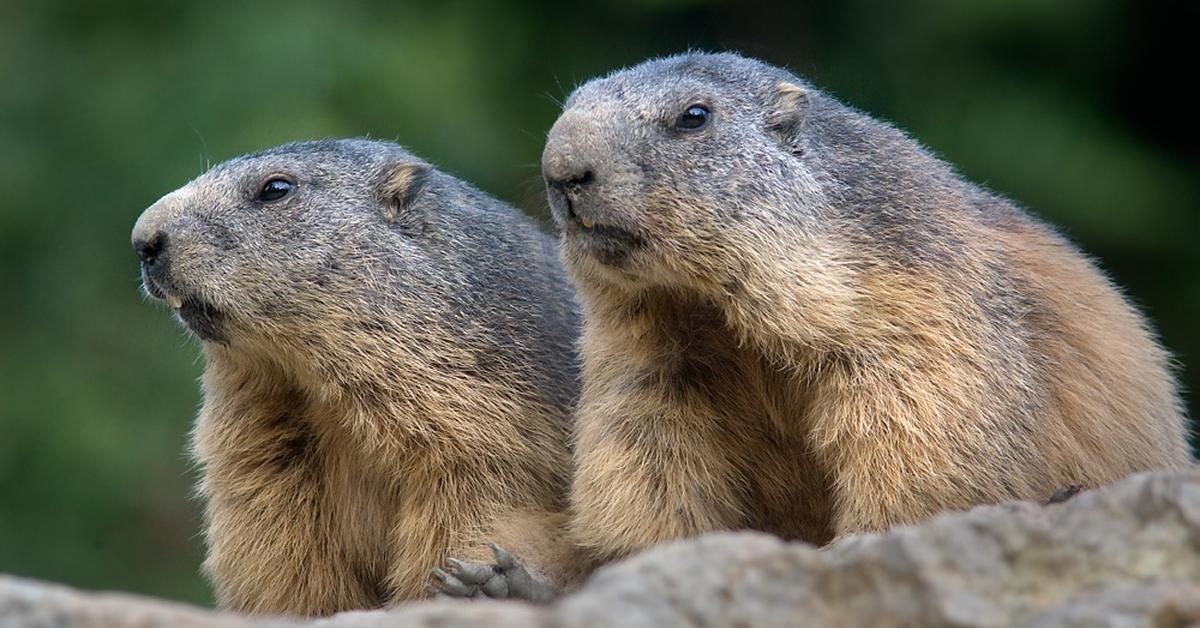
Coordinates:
571 183
564 191
150 249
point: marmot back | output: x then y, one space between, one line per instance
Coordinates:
800 321
389 372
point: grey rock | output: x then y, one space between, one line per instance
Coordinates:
30 604
1126 555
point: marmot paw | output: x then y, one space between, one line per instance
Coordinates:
506 578
1064 493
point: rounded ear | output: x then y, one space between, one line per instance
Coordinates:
786 118
403 184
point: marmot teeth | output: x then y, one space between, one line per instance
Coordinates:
586 222
173 301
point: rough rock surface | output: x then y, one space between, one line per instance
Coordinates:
1126 555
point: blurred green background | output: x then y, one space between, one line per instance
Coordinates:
1070 107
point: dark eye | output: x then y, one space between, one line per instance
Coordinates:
274 190
693 118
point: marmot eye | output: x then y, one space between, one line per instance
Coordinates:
693 118
274 190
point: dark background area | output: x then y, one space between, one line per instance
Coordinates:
1079 110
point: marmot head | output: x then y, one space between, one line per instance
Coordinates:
653 171
310 240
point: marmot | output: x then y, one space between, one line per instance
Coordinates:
798 320
390 368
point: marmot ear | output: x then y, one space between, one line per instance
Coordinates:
402 185
786 119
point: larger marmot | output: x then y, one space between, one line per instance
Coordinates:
798 320
390 368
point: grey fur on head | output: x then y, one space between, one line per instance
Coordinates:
779 159
370 236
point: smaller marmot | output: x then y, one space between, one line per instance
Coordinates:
798 320
389 373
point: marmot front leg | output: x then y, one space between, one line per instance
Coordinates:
650 469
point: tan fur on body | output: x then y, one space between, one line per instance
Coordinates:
387 383
321 500
798 321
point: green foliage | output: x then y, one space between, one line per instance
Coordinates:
106 106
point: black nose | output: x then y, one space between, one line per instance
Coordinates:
574 183
150 249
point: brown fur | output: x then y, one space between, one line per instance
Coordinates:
798 321
378 393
